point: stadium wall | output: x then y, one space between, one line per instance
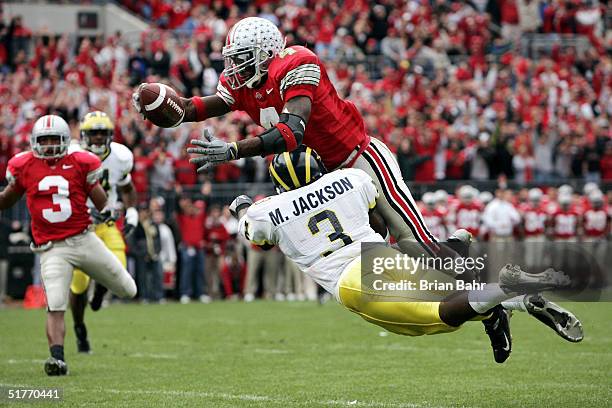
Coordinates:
75 19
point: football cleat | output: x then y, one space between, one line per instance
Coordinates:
460 241
561 320
513 279
497 328
55 367
98 297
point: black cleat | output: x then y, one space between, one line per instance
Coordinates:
561 320
54 367
98 297
460 242
83 346
497 328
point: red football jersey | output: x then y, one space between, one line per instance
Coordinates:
469 216
56 192
565 224
335 126
435 221
534 220
596 223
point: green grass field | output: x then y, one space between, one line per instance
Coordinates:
267 354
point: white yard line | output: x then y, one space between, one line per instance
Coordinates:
270 351
154 356
24 361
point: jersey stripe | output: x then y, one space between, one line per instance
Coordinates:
408 199
94 175
308 74
224 94
305 74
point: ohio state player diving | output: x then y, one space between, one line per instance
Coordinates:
287 91
57 185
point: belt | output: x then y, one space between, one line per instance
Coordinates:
354 155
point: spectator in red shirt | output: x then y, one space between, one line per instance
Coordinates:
233 272
216 239
426 145
140 172
455 161
191 218
185 172
606 163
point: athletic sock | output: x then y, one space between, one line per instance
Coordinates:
487 298
516 303
81 331
57 352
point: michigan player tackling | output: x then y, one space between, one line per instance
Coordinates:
320 221
97 132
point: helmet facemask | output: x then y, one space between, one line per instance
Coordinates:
49 146
245 65
97 141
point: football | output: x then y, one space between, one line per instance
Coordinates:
161 105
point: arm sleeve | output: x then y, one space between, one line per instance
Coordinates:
301 73
257 231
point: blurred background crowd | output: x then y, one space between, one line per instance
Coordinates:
503 93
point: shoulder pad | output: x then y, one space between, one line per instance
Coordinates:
122 152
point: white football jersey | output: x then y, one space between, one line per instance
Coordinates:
116 169
320 226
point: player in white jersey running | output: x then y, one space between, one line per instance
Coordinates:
117 161
320 221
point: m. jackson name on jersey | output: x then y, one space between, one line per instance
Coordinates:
312 200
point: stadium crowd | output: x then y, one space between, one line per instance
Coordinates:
449 85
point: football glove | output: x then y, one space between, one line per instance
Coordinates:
239 203
211 151
107 214
131 222
136 100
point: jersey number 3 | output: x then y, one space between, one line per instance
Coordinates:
60 198
315 220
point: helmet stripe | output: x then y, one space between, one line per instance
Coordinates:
277 178
292 172
308 152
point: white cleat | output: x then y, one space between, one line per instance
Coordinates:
561 320
513 279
